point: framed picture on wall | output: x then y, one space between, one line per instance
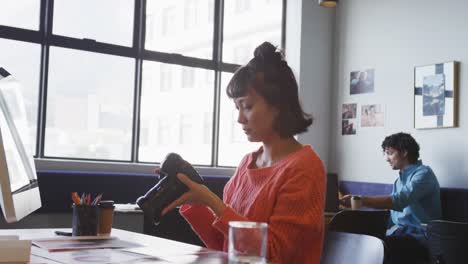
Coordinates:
349 119
373 115
436 95
361 82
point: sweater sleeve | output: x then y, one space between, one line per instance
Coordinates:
200 219
293 218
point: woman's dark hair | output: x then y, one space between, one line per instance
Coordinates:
403 142
271 77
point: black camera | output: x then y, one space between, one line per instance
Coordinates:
169 187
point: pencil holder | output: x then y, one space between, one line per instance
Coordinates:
85 220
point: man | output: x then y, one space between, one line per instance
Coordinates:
414 201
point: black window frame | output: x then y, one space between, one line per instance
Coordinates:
47 39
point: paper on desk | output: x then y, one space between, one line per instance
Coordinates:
178 255
170 251
127 207
63 244
106 256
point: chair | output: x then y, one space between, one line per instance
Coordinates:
331 199
342 247
448 241
373 223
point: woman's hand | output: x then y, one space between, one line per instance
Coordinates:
197 194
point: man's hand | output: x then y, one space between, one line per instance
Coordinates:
346 201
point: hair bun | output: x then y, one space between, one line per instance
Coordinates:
267 52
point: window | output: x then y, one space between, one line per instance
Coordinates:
188 77
186 129
207 127
90 114
248 28
165 78
242 52
164 131
130 81
151 33
190 17
21 14
109 21
168 24
14 55
236 134
211 11
181 32
183 108
241 6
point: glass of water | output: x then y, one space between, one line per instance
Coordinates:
247 242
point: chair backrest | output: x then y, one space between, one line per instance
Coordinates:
331 198
448 241
373 223
340 247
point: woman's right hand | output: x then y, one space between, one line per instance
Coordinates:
197 194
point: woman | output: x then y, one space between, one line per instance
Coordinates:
282 183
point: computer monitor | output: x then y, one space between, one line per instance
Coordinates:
19 191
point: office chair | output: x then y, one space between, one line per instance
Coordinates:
373 223
340 247
331 199
447 241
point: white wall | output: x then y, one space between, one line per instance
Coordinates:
315 47
393 37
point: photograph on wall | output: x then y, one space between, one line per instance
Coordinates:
348 127
372 115
349 111
349 119
362 82
435 95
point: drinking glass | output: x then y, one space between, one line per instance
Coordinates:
247 242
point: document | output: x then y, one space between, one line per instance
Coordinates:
77 243
106 256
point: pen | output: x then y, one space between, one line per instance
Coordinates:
61 233
97 199
75 198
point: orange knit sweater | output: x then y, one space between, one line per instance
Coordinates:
289 196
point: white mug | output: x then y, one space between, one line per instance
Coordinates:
356 202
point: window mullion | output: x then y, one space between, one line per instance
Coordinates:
217 57
45 29
138 42
283 25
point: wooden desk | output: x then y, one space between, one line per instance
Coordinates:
169 251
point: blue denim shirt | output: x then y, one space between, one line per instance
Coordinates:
416 200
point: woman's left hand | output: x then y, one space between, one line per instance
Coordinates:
197 194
